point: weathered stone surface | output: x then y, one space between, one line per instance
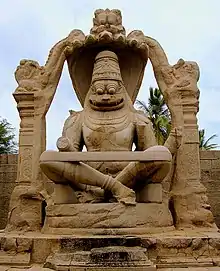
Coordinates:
206 164
8 175
14 259
25 212
107 215
69 244
175 242
40 268
190 269
33 267
102 257
209 178
24 244
115 255
209 155
151 193
107 89
42 248
106 68
8 244
63 194
174 250
145 268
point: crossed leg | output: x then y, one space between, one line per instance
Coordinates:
81 175
156 171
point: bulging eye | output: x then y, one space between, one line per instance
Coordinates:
98 88
111 90
99 91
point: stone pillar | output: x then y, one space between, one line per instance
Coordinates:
178 84
25 208
188 166
188 193
36 88
25 106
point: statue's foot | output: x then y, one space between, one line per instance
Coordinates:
125 195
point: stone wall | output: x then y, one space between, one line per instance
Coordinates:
210 166
210 174
8 172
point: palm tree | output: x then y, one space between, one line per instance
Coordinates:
158 113
205 144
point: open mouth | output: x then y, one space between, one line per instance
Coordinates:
107 104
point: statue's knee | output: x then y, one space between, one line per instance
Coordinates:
166 167
45 166
163 169
53 170
161 151
51 166
158 148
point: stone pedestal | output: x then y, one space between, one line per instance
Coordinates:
63 194
151 193
107 218
173 251
128 256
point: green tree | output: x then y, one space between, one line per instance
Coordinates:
7 137
158 113
204 144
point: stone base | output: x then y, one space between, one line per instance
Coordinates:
153 193
107 218
103 258
174 251
15 259
40 268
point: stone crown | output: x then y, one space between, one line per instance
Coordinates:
106 67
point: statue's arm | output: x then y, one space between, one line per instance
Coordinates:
71 139
144 134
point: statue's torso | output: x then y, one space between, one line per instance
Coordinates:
108 135
107 139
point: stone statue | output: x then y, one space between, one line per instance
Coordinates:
110 186
108 122
125 203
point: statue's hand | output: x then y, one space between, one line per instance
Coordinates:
63 144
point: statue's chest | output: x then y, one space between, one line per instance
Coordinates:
108 138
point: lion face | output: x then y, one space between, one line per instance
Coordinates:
106 95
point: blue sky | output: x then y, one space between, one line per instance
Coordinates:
186 29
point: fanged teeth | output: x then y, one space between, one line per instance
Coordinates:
106 103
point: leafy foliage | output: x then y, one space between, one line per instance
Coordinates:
7 137
204 144
158 113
